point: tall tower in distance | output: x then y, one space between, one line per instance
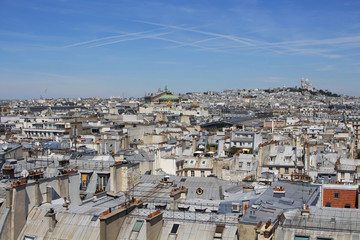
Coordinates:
302 83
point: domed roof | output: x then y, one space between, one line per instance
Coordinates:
169 97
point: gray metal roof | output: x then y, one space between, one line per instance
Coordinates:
325 218
269 205
68 226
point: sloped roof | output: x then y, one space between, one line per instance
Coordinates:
68 226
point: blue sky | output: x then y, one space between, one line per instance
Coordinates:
129 47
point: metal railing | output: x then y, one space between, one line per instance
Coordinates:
190 215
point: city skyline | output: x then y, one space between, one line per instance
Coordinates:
84 49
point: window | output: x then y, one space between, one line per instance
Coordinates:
219 231
301 237
348 205
286 170
202 173
185 173
240 164
327 204
138 225
193 173
336 195
28 238
323 238
342 175
84 180
203 162
102 182
248 164
174 228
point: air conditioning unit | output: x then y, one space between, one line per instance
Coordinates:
236 207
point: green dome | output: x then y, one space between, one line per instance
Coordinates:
169 97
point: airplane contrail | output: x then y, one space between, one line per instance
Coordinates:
129 39
112 37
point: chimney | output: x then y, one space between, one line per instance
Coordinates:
48 194
305 211
18 208
307 152
194 144
268 231
183 145
115 177
154 223
279 192
119 157
52 220
123 176
63 183
177 195
260 161
183 194
112 221
37 193
8 197
264 231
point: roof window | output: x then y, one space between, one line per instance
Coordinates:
138 225
174 228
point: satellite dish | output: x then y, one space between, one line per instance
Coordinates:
24 173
